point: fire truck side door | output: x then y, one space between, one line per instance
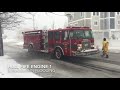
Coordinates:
57 39
65 42
50 40
37 41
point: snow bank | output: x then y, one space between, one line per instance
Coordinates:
113 49
5 62
13 35
114 43
19 43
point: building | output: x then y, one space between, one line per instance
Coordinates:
103 24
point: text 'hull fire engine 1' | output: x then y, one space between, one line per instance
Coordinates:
71 41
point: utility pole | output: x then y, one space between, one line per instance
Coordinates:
33 18
53 24
1 41
33 21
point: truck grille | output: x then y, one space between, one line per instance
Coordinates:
86 45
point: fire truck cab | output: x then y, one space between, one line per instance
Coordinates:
71 41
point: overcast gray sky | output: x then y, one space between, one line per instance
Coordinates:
42 20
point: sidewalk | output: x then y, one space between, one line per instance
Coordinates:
5 62
112 49
115 49
114 45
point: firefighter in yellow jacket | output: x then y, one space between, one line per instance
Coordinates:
105 47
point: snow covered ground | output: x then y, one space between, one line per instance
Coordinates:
114 45
5 69
14 42
113 49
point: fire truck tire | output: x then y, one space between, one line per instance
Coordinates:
30 49
58 54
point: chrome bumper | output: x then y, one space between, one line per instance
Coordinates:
85 52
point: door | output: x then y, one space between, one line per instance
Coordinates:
65 43
50 41
37 41
57 38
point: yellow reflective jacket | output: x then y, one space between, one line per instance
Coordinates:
105 46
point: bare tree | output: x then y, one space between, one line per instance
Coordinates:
8 20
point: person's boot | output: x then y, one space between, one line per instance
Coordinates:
107 56
103 55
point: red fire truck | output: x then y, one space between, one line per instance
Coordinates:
71 41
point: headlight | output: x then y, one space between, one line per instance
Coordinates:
79 46
92 45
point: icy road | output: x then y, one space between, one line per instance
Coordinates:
67 68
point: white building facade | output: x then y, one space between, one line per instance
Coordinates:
103 24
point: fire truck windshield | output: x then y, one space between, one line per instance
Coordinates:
77 34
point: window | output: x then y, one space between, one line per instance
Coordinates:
88 22
106 23
81 23
118 22
77 34
93 13
112 14
82 14
71 34
88 34
57 35
101 24
88 14
96 13
95 23
106 14
118 13
106 34
50 35
70 17
64 35
112 23
101 14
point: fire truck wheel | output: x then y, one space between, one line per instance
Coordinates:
58 54
30 49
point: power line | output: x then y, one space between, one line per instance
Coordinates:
57 14
23 17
